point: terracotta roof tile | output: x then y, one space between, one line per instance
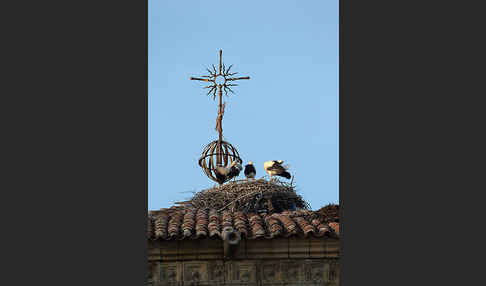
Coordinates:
304 225
213 225
288 223
273 226
201 222
161 226
175 223
335 227
241 223
227 221
188 222
256 225
195 223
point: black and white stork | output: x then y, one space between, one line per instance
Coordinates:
250 171
275 168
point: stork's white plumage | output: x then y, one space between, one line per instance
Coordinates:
250 171
275 168
224 174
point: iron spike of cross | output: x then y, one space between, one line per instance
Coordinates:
212 78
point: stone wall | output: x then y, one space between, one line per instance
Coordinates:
246 272
277 261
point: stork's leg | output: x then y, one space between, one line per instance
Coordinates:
274 179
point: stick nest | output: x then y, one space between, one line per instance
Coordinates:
329 213
250 196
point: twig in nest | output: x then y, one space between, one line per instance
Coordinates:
237 200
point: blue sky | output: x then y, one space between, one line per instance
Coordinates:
288 110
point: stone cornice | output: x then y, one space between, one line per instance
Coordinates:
212 249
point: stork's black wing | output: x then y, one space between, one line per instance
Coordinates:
276 167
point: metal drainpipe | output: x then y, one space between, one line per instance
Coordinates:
231 241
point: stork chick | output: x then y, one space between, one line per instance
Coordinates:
275 168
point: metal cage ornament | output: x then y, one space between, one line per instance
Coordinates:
219 152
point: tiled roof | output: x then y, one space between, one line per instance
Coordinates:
191 223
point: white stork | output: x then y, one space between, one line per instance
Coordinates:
225 174
250 171
275 168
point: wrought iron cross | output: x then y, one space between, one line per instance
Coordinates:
222 80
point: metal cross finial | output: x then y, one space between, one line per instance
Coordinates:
221 80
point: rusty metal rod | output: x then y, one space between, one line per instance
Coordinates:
198 78
237 78
220 60
220 129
